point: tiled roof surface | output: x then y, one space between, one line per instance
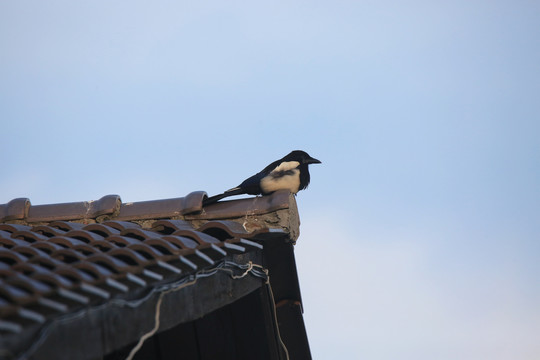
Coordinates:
60 258
56 268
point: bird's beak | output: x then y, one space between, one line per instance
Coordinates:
312 161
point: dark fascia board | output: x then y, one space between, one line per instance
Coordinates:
96 331
280 261
293 330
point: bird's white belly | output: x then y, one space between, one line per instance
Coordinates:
287 182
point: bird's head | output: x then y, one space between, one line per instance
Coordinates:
302 157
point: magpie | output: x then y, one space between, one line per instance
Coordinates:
288 173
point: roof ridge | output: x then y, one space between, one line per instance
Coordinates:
111 207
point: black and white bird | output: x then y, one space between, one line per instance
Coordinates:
288 173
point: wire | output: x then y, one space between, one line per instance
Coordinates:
223 266
250 268
156 319
275 316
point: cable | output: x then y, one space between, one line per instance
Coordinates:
249 268
156 319
223 266
274 310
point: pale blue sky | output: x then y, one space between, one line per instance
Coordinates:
420 230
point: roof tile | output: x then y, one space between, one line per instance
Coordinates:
165 208
16 209
170 226
29 236
107 205
101 229
13 227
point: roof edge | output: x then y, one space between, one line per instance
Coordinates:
110 207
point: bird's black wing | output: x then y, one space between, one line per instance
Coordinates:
267 170
249 186
252 185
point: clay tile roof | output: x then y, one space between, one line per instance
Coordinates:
116 262
57 259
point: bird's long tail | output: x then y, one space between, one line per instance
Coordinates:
216 198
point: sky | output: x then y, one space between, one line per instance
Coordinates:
420 229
